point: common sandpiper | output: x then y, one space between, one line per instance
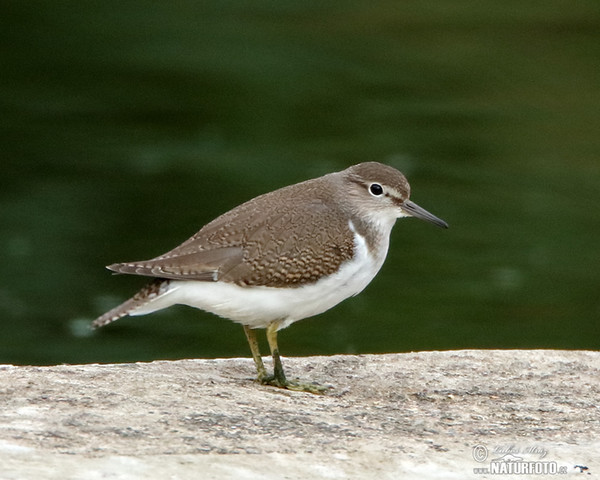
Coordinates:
281 257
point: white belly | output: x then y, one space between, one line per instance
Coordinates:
258 306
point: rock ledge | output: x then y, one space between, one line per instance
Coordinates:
414 415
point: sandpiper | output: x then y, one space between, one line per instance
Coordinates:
281 257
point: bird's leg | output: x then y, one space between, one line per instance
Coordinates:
260 367
278 379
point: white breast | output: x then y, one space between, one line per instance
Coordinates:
258 306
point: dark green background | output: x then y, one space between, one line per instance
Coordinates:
125 126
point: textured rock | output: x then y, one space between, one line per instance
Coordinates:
388 416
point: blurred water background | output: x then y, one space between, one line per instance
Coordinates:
126 126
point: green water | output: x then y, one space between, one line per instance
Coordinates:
125 126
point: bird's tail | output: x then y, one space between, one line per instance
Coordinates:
135 304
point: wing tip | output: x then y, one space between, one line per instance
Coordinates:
165 270
131 268
114 267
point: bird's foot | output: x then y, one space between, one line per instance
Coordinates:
296 386
311 387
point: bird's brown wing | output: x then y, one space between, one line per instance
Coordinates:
307 239
200 265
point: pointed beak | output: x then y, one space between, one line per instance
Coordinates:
413 210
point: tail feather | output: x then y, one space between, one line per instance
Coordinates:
141 298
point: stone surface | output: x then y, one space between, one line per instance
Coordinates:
414 415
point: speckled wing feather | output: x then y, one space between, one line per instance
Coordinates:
285 238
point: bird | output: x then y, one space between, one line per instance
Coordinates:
281 257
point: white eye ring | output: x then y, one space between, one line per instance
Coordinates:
376 190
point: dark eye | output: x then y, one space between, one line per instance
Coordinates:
376 189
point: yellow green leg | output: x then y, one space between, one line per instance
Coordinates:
278 378
260 367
